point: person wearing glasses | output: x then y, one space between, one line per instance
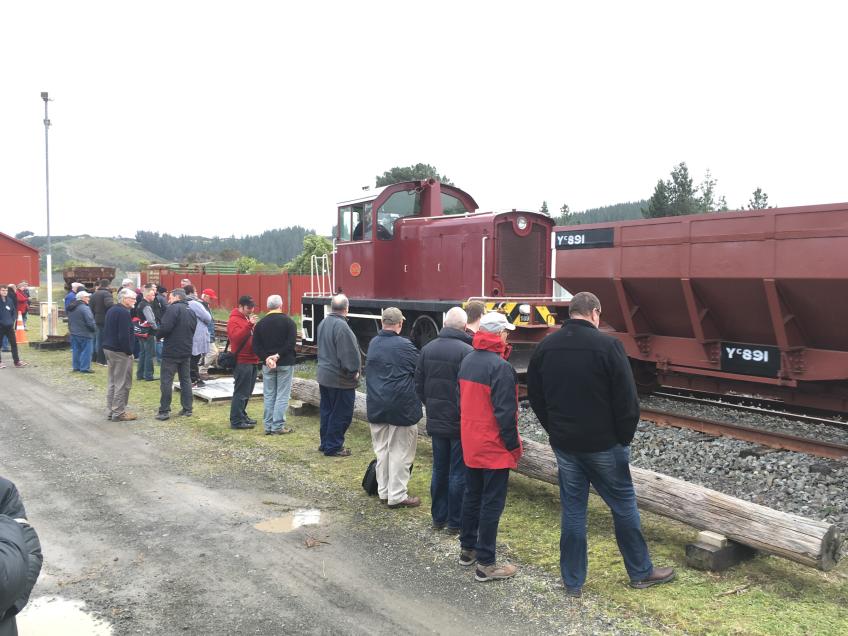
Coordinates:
582 390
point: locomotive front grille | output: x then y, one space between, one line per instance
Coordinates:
520 260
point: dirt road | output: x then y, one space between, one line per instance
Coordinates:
153 548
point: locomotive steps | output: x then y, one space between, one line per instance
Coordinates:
800 539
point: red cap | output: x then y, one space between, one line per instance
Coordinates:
211 293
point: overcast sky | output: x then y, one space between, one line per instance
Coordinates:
231 118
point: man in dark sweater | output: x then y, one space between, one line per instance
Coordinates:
101 300
438 388
582 390
274 338
177 331
118 348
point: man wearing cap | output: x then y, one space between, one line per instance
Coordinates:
177 332
582 390
101 300
338 373
206 298
240 332
490 443
117 345
71 296
82 328
393 408
438 388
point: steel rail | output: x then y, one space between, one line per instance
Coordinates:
771 439
729 402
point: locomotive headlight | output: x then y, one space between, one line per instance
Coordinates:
521 222
524 310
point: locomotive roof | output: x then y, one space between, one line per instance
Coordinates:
366 195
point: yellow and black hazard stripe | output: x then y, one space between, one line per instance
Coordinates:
541 314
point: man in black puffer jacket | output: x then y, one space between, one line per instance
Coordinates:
582 390
438 388
177 331
20 557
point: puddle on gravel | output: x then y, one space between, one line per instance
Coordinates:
290 521
50 615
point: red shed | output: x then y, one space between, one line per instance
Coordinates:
18 261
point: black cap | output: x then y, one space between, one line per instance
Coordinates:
246 301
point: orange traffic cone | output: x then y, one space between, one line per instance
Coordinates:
20 332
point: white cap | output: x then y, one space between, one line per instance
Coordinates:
127 281
495 322
82 294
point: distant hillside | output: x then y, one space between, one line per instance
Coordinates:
276 247
617 212
123 254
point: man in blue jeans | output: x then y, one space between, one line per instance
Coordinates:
582 390
274 340
438 388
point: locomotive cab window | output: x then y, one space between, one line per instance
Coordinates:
452 205
397 206
355 222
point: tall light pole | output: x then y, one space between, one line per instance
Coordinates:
49 259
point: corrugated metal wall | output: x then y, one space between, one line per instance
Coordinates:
230 287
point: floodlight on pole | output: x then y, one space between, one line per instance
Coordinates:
49 259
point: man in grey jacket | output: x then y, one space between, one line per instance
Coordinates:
338 373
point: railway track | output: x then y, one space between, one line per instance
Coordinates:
770 439
763 437
751 405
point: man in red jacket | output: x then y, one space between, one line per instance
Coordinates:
490 443
240 332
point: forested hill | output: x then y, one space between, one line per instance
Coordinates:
272 246
617 212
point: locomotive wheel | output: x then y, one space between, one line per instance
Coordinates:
424 329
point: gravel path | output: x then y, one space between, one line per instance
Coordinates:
792 482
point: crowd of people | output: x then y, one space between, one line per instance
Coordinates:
579 385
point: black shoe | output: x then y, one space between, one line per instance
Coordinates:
184 413
151 379
86 371
574 592
453 531
241 426
251 421
163 416
438 526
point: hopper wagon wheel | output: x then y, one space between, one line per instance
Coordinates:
424 329
645 375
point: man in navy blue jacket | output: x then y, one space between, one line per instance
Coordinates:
8 316
437 384
118 347
393 409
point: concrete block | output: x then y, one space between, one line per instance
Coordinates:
702 556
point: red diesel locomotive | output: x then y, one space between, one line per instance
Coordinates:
422 246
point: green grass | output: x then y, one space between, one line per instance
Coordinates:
765 596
